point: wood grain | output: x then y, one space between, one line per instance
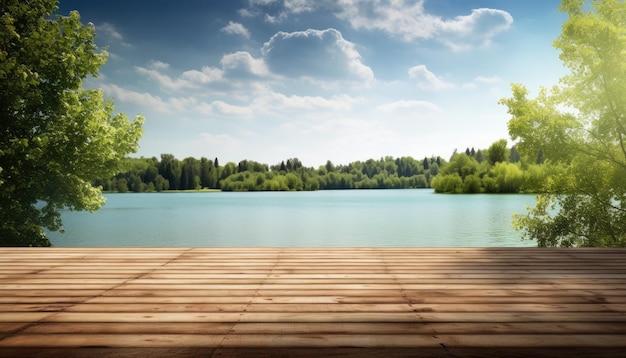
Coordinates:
223 302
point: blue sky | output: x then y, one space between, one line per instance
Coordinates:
319 80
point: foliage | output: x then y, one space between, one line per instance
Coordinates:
56 136
579 127
465 174
497 152
150 174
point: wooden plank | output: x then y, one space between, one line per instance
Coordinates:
316 317
312 301
328 328
114 340
349 340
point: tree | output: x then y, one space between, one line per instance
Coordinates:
171 169
585 202
56 137
497 152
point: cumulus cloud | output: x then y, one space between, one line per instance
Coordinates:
319 54
242 64
204 76
477 29
409 21
235 28
428 80
405 19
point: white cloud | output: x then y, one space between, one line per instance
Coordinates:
235 28
204 76
477 29
405 19
428 80
241 63
159 65
318 54
412 106
277 102
223 108
142 99
162 79
109 30
482 80
235 65
492 79
409 21
299 6
275 19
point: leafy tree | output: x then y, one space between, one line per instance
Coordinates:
189 171
205 172
161 183
122 185
57 137
461 164
497 152
472 184
484 177
509 177
170 169
585 202
229 169
451 183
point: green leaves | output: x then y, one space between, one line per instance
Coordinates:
57 137
464 174
587 142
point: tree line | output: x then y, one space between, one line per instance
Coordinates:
169 173
497 169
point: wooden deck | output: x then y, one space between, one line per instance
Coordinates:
224 302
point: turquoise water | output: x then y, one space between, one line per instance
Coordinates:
417 218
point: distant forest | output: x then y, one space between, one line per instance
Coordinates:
494 170
170 173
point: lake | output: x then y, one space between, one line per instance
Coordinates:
410 217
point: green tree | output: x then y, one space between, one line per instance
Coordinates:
585 203
57 138
171 169
497 152
206 179
509 177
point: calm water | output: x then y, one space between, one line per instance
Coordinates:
322 218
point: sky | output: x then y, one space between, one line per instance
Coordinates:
318 80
